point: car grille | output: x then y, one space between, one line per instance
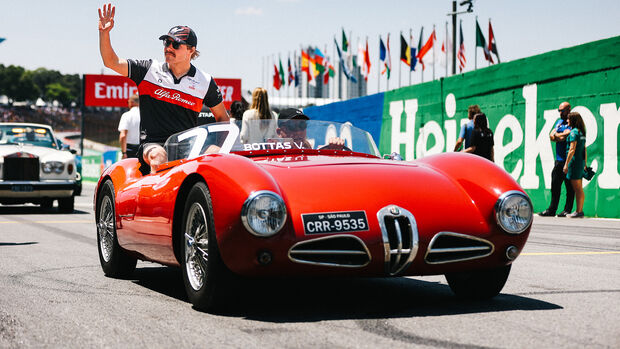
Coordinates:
336 251
20 167
400 238
447 247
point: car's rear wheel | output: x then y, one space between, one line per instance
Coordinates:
203 268
66 205
480 284
115 262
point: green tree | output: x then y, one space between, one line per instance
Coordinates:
43 77
17 84
59 92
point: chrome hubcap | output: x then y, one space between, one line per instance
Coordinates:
105 228
196 246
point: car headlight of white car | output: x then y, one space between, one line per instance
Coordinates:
263 213
513 212
53 166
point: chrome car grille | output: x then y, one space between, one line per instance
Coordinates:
335 251
20 167
400 238
447 247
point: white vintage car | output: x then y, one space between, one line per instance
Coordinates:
34 168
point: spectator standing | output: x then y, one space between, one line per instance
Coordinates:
558 135
254 132
481 138
129 128
468 128
237 108
576 160
171 93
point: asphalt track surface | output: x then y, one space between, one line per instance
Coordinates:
563 292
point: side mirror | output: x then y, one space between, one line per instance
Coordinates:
73 151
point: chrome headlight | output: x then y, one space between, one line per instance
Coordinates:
53 166
263 213
513 212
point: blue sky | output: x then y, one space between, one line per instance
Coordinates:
235 35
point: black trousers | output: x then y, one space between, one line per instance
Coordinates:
132 150
557 177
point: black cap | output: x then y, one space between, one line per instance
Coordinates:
292 113
181 34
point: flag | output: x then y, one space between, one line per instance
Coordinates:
2 39
492 44
296 72
427 47
481 42
305 64
345 42
443 58
291 76
367 60
405 52
329 71
461 54
343 65
384 57
363 59
277 83
282 79
319 59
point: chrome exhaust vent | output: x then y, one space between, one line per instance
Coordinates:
400 238
448 247
344 250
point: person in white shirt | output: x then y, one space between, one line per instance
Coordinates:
129 128
259 110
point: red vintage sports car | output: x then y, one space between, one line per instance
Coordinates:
277 202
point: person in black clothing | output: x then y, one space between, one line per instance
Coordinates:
481 138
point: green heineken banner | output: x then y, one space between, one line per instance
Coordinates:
521 99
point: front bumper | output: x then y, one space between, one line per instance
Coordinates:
37 189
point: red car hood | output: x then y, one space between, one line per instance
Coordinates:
335 184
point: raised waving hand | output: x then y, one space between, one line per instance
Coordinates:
106 18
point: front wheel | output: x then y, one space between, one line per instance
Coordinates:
480 284
202 267
115 262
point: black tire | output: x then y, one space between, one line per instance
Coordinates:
47 203
481 284
204 276
115 261
66 205
78 189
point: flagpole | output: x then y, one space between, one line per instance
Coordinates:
379 69
400 63
434 49
419 48
447 41
389 58
476 47
491 57
411 58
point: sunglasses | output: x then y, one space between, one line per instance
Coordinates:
175 45
561 110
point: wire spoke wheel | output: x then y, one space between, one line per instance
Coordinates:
196 246
105 229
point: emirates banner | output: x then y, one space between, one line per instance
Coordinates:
114 90
107 90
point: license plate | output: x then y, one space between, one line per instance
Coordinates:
334 222
21 187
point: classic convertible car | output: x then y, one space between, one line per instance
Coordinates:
289 205
35 168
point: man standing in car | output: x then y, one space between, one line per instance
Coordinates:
171 93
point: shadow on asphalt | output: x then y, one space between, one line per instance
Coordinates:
30 209
317 299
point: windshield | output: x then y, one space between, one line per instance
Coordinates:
26 134
259 137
